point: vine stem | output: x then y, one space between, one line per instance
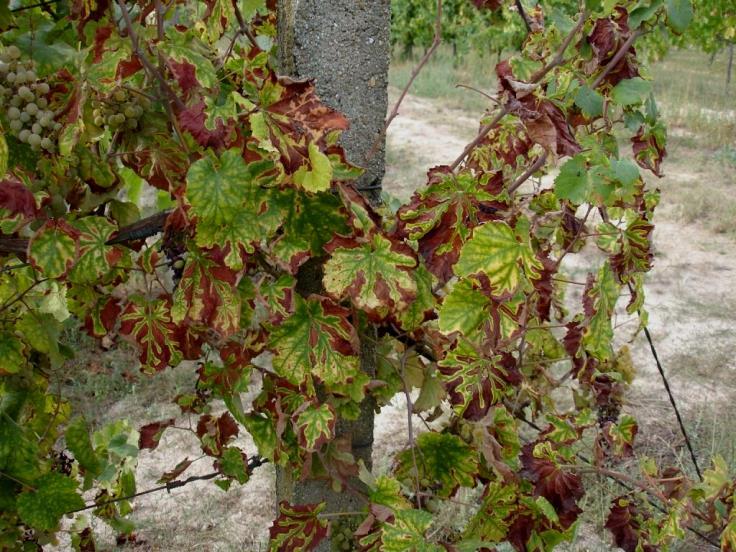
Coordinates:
436 41
536 77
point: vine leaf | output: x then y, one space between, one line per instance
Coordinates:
316 340
79 443
463 309
215 433
408 532
572 182
315 426
441 217
12 359
498 252
443 459
375 275
53 248
96 258
17 206
232 209
150 434
54 495
149 325
297 528
491 522
184 47
207 294
631 91
319 178
679 14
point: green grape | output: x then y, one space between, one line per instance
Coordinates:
42 103
130 112
46 143
13 113
16 101
43 88
31 75
16 125
36 128
24 91
57 126
99 121
13 51
120 95
31 108
4 67
34 140
10 77
25 116
24 134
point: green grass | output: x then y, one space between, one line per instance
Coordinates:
440 77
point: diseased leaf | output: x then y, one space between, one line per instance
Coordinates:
318 177
374 275
54 495
408 532
12 359
149 325
150 434
96 259
496 251
316 340
297 528
315 427
53 248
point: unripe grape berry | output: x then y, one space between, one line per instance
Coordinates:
13 113
36 128
13 51
57 126
132 124
34 139
25 116
16 125
43 88
131 112
42 103
24 91
31 108
4 67
31 75
24 134
16 101
120 95
99 121
10 77
46 143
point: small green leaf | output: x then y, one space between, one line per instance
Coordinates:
679 14
315 427
631 91
590 101
53 248
234 464
407 532
54 495
463 310
12 359
572 183
319 178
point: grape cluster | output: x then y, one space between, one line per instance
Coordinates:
120 109
25 100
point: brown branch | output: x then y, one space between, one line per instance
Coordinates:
244 29
541 160
615 60
145 61
536 77
414 74
524 16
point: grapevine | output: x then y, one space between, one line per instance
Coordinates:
266 245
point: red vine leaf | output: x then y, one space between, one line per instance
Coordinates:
148 324
150 434
215 433
297 528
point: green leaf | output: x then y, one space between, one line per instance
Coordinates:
41 331
232 209
12 359
233 463
3 155
317 340
375 276
96 259
78 441
315 427
54 495
631 91
463 309
590 101
53 248
443 459
424 303
407 532
495 251
319 178
572 183
679 14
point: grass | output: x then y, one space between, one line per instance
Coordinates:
440 77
